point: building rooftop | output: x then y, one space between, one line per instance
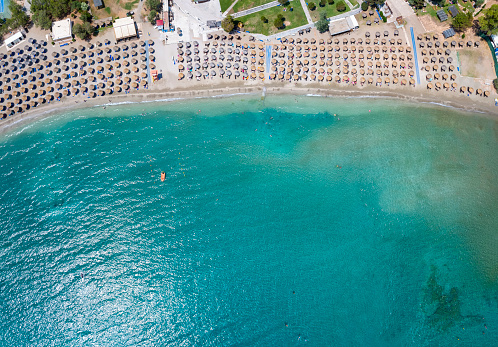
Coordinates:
61 29
343 25
443 16
124 27
449 33
453 10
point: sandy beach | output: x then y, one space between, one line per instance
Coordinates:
229 89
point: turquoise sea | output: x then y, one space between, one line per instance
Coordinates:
287 221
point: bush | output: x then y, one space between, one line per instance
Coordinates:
283 2
322 3
264 19
279 22
384 19
341 6
495 83
463 36
331 2
311 6
364 6
152 17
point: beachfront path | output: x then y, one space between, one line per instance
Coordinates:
256 9
230 8
306 11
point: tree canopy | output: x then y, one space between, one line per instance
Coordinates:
18 17
279 21
42 19
228 24
417 4
154 5
462 21
373 3
323 24
152 16
55 9
489 22
83 31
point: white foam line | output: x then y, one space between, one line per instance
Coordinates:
171 99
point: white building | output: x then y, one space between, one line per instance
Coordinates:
124 28
14 40
343 25
62 31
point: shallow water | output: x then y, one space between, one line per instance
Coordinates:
278 224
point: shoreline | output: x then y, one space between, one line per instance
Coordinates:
169 95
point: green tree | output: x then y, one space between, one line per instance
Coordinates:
228 24
86 16
495 84
154 5
341 6
283 2
18 17
374 3
323 3
42 19
330 2
75 5
323 24
364 6
478 3
152 16
84 6
55 9
462 21
439 3
311 6
417 4
83 31
264 19
489 22
279 21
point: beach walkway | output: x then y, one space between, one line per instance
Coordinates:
306 12
415 55
255 9
230 8
147 62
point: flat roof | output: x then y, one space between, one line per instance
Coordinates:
343 25
61 29
124 27
16 37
